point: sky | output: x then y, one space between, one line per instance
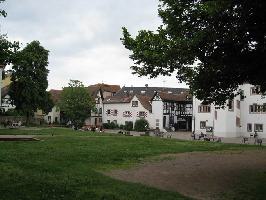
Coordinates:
83 37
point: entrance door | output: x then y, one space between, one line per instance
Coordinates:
164 121
95 121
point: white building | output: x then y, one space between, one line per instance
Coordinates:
242 116
163 108
98 93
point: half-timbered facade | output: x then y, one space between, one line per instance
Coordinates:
163 108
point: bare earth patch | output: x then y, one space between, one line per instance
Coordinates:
200 175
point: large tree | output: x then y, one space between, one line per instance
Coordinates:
29 80
76 103
214 46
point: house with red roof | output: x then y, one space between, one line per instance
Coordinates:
163 108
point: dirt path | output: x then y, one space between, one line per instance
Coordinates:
200 175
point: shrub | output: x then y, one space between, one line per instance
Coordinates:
129 126
122 126
141 125
106 125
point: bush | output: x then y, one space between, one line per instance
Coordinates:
111 125
129 126
122 126
106 125
141 125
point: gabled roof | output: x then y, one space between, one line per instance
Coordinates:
93 89
183 96
145 102
118 99
149 91
106 87
55 95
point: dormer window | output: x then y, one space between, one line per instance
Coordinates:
143 92
135 103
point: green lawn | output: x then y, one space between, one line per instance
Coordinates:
67 165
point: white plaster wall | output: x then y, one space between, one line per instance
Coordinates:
198 117
121 107
225 125
6 105
251 118
157 114
54 113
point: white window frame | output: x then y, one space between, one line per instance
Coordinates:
258 130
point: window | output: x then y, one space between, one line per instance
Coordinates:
100 110
100 120
108 121
242 95
249 127
255 90
257 109
108 112
115 112
204 109
49 118
258 127
142 114
202 124
157 122
237 121
135 103
215 114
231 105
127 114
238 104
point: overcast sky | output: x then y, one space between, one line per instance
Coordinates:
83 37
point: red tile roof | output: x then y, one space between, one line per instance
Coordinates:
55 95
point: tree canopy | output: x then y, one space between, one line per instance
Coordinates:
213 46
29 79
76 102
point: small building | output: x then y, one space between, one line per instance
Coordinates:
242 116
163 108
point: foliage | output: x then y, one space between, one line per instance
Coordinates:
67 164
141 125
2 12
111 125
29 79
122 126
7 50
128 126
214 46
76 102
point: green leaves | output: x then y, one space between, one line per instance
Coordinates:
76 102
29 79
213 46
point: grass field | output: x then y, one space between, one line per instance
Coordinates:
68 164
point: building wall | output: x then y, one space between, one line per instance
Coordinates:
97 115
7 104
53 116
225 125
156 120
121 118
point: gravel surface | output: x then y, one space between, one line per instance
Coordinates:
200 175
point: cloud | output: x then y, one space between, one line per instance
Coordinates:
83 37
